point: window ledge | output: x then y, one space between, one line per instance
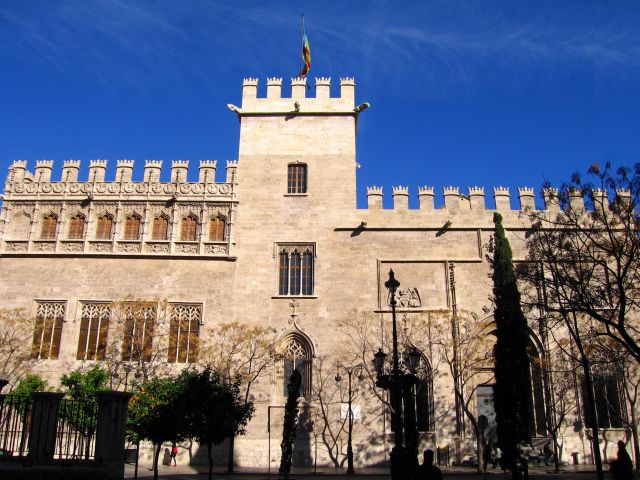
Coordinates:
296 194
295 296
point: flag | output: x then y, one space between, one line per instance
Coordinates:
306 55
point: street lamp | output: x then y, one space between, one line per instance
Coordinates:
399 384
350 371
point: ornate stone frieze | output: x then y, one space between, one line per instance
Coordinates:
157 247
215 249
187 248
44 246
16 246
128 247
408 298
71 246
101 247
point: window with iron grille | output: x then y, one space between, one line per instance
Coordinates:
47 330
139 325
296 270
94 327
132 228
49 227
104 227
189 229
160 228
217 228
185 322
76 227
297 178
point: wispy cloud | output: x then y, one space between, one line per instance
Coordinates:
442 43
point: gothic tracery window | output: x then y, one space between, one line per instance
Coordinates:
297 355
48 330
189 229
425 411
76 227
94 326
139 326
104 227
49 227
160 228
183 334
132 227
217 228
297 178
295 271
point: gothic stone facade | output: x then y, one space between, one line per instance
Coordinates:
282 225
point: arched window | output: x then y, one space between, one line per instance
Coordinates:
607 393
425 412
76 227
49 227
104 227
21 226
296 271
132 227
297 178
297 355
160 228
189 229
217 228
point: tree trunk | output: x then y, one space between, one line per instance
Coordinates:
556 449
155 461
210 460
591 406
232 441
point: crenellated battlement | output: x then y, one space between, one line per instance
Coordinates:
22 182
475 200
299 101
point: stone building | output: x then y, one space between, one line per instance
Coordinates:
281 225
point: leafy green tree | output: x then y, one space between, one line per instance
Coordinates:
512 389
157 413
215 410
32 382
290 421
82 414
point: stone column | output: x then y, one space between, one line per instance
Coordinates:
44 422
110 432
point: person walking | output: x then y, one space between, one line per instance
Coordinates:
546 450
174 452
428 471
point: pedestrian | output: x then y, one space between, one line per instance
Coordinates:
546 450
622 467
174 452
428 471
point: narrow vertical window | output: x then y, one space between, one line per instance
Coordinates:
297 356
217 229
294 273
283 274
137 342
183 333
49 227
94 325
297 178
104 227
189 229
307 273
160 228
132 228
48 330
76 227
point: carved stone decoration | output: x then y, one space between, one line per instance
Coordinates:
215 249
44 246
45 187
224 189
128 188
141 188
408 298
31 188
16 246
187 248
113 188
86 188
129 247
74 188
100 247
156 188
19 188
58 188
185 188
71 246
157 247
197 189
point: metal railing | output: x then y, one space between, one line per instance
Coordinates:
76 430
15 419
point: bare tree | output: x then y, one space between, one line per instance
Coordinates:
15 344
241 352
591 247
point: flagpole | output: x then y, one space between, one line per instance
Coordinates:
302 41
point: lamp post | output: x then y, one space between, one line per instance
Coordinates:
397 382
350 371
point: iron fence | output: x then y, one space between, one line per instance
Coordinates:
76 430
15 419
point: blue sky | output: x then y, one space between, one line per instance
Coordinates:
463 93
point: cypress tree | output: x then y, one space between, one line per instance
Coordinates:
290 421
512 388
